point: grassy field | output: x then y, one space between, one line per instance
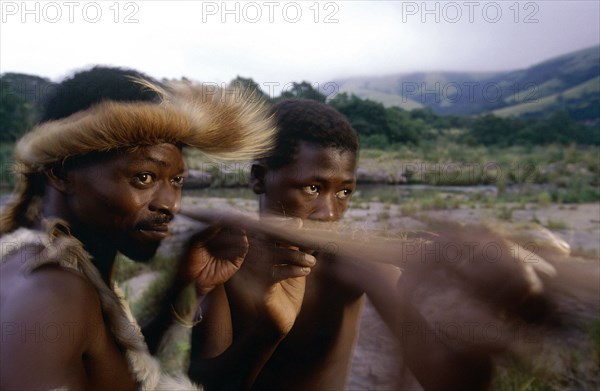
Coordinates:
567 174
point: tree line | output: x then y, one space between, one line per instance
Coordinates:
24 101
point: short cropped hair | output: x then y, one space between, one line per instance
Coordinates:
312 122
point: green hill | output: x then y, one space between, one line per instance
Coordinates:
572 100
570 82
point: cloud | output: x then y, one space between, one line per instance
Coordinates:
290 41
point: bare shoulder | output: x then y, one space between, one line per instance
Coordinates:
49 319
50 289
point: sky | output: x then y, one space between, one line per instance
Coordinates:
280 42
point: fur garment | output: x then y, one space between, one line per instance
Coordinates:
62 249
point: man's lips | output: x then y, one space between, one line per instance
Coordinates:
155 232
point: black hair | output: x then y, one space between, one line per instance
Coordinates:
312 122
87 88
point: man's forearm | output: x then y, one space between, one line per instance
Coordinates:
436 365
155 328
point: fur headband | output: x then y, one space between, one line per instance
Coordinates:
224 124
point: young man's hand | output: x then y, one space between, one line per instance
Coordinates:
270 284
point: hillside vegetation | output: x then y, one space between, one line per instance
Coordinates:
569 82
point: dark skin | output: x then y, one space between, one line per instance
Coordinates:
76 350
315 352
316 187
267 294
120 203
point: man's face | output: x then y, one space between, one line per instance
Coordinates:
316 186
125 202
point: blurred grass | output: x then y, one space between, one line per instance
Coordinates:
559 366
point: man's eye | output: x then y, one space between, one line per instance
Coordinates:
312 189
178 180
144 178
343 194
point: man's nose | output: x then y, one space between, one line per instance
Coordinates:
166 200
327 209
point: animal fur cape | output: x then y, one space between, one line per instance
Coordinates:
62 249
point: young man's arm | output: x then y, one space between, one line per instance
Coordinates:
423 351
422 348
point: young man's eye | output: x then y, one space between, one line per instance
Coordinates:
312 189
343 194
178 180
144 179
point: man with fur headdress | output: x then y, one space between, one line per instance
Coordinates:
105 180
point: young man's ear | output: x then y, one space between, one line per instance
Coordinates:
57 178
258 173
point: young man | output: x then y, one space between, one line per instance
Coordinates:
105 180
304 321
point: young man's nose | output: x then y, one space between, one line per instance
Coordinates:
166 200
327 210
